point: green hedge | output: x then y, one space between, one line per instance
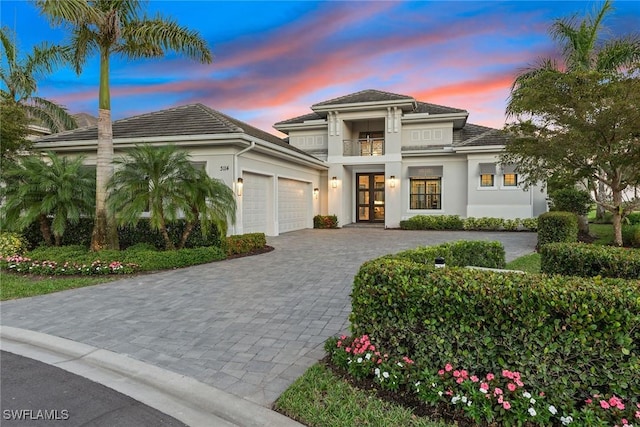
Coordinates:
325 221
570 337
631 235
80 234
454 222
557 227
145 259
244 243
12 244
579 259
461 253
633 218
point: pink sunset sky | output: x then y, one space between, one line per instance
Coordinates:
273 60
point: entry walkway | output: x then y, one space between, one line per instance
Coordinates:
248 326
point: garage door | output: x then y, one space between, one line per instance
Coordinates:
255 191
293 205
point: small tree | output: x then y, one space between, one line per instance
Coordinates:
572 200
36 189
583 125
162 181
13 130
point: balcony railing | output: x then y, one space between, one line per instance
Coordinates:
363 147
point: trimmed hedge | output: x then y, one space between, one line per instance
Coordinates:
12 244
557 227
454 222
461 253
325 221
571 337
579 259
633 218
80 234
244 243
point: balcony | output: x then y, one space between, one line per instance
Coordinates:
363 147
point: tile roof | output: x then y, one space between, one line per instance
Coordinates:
476 135
193 119
369 95
302 119
425 107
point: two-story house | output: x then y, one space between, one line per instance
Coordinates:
368 157
391 157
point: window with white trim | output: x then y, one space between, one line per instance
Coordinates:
509 176
425 187
487 174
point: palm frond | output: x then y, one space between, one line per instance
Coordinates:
83 44
52 115
46 58
619 53
155 36
70 12
8 46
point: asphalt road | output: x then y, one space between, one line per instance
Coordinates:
36 394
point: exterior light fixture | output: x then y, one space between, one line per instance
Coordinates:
392 181
334 182
239 187
439 262
316 191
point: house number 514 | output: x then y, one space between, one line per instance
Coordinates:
224 168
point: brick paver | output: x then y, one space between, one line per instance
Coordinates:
249 326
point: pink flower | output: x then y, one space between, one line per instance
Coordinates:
506 374
407 360
604 404
456 374
484 386
588 401
441 372
511 387
497 391
490 377
343 337
625 422
500 399
460 380
506 405
519 383
448 367
474 379
339 343
348 349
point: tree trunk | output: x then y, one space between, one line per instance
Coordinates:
58 239
168 244
600 198
105 232
188 228
617 217
45 229
583 224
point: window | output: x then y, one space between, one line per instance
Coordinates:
426 193
510 180
486 180
487 174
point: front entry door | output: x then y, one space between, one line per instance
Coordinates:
370 193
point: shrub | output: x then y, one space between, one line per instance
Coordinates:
432 222
571 199
569 337
462 253
484 224
12 244
325 221
631 235
578 259
557 227
633 218
244 244
152 260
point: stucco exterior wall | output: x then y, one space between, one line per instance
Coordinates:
421 135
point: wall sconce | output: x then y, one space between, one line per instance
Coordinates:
239 187
316 191
392 181
334 182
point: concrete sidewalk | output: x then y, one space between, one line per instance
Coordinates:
248 326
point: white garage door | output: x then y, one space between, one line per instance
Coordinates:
293 205
255 191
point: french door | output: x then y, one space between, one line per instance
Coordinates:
370 196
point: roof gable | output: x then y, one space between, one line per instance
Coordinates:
369 95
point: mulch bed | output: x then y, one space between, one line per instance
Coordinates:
256 252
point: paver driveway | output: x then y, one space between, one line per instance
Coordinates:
249 326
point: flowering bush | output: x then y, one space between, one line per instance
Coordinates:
22 264
491 398
12 244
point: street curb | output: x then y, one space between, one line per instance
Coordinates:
184 398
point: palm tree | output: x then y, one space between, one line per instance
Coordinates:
19 74
106 28
35 189
583 50
163 181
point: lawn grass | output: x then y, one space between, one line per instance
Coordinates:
603 232
320 398
528 263
14 286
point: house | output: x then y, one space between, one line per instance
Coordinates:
274 182
368 157
391 157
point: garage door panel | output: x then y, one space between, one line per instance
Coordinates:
293 205
254 203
